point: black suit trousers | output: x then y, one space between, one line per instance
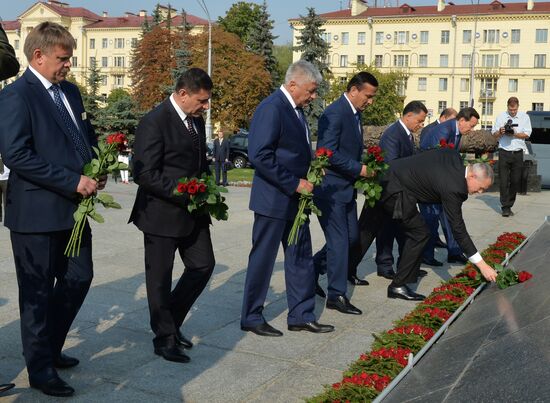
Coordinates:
168 307
510 165
52 289
415 234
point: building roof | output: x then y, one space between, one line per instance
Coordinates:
11 25
495 7
65 11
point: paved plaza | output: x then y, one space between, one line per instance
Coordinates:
112 338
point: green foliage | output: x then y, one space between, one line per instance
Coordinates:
283 55
119 115
412 341
241 19
91 98
348 392
375 365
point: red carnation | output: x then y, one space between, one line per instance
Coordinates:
329 153
524 276
202 188
451 146
182 188
192 188
443 143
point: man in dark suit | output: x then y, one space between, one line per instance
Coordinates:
397 141
221 158
451 131
280 150
341 131
432 212
45 139
170 144
9 66
435 176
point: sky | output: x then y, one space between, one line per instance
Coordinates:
280 10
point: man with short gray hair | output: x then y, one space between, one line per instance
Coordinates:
279 147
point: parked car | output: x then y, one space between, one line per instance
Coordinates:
238 150
540 143
210 152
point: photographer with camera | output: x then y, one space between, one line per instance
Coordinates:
511 129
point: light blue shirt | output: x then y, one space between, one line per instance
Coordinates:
511 143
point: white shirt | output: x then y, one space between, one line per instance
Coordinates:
47 84
4 176
181 113
289 97
406 129
511 143
475 258
354 110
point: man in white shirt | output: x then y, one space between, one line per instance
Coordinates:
511 128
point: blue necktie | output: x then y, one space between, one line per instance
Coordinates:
358 118
76 136
302 118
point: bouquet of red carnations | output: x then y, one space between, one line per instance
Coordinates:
315 175
106 163
376 167
443 144
507 277
205 197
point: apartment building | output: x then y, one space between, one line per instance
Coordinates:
450 55
101 39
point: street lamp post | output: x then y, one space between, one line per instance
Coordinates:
208 125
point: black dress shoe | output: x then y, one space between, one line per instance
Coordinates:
319 291
388 275
404 292
54 387
265 329
343 305
182 340
422 273
172 353
507 213
357 281
431 262
313 327
440 244
457 259
6 386
64 361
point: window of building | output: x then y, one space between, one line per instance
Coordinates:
360 60
400 60
540 61
119 43
422 83
119 81
515 35
514 60
445 35
343 80
487 108
134 42
379 38
92 62
488 87
441 106
463 104
443 60
424 36
464 84
467 36
104 43
104 62
491 35
74 61
466 60
326 37
16 44
423 61
489 60
537 106
401 37
343 60
402 87
92 43
443 84
513 85
345 38
118 61
378 60
103 80
538 85
541 36
361 38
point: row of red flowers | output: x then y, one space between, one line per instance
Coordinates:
373 371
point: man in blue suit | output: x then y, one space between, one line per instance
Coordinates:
397 141
451 131
341 131
280 150
46 138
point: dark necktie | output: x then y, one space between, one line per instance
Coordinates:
192 132
457 140
358 118
76 136
302 117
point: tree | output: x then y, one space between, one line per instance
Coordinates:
153 60
387 104
315 50
157 16
240 80
120 114
183 54
260 42
240 19
283 55
91 98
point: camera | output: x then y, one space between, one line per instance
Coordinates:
509 127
